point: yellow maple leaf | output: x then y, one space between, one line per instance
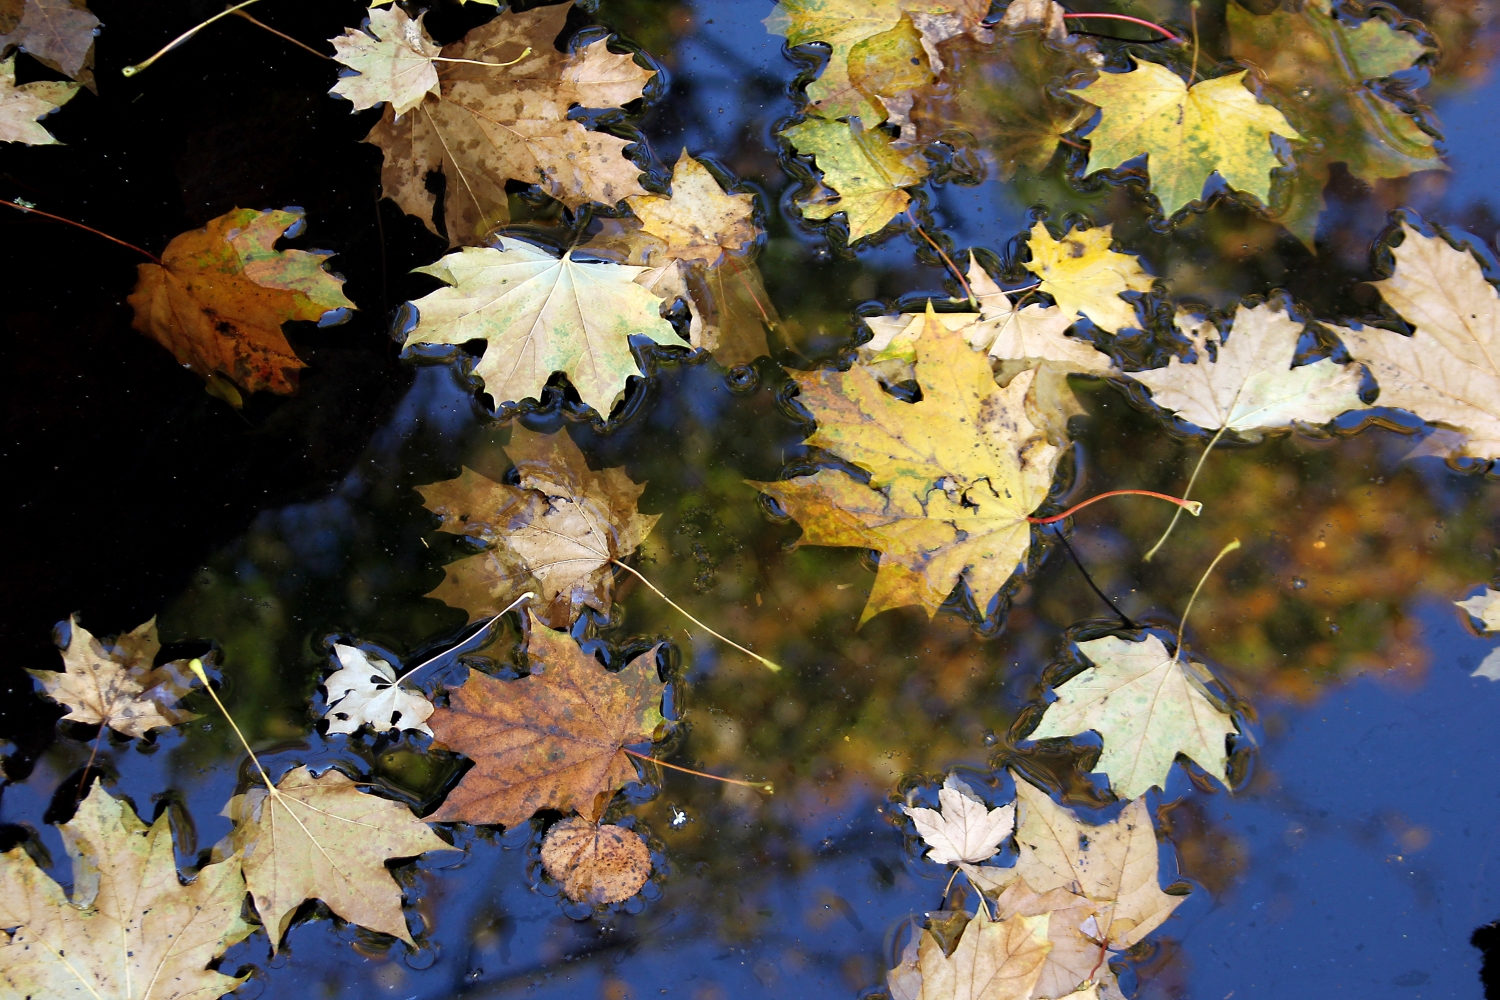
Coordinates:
392 58
841 25
1187 133
698 220
1086 277
865 172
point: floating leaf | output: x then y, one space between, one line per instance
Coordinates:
132 929
556 532
540 315
993 961
364 692
1147 708
697 221
321 837
21 108
842 25
965 829
550 740
1485 607
1448 371
1086 277
863 170
58 34
1187 134
596 864
115 684
487 125
392 58
221 293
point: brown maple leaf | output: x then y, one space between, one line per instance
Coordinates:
490 125
551 740
221 293
59 34
596 864
557 532
114 684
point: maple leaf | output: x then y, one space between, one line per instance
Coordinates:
132 929
1113 865
556 532
953 477
364 692
864 172
1187 133
21 108
115 685
539 315
697 221
392 58
842 25
488 124
551 740
1250 386
1085 276
1485 607
321 837
1076 955
994 960
965 829
58 34
1322 72
596 864
1448 371
1147 706
221 293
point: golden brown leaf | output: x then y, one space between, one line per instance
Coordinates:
550 740
596 864
698 221
993 960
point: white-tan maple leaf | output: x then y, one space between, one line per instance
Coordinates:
22 107
965 829
364 692
993 960
392 58
1485 607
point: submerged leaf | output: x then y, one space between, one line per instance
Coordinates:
596 864
21 108
1086 277
550 740
221 293
864 172
364 692
965 829
58 34
115 684
392 57
132 929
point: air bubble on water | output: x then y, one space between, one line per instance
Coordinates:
990 739
1298 583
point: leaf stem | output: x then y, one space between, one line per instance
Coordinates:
1201 581
775 667
1133 20
482 630
969 292
478 62
196 666
1193 13
58 218
133 70
285 37
1193 507
1185 493
763 786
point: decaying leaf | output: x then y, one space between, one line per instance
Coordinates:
863 174
1187 133
1146 706
1485 607
221 293
1085 276
994 960
550 740
844 26
555 533
486 125
322 837
965 829
114 684
1322 72
595 863
364 692
698 221
23 107
392 57
1448 371
1249 386
132 928
953 477
59 34
540 315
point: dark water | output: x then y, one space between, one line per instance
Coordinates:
1356 855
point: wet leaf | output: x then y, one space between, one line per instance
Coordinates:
58 34
550 740
555 533
364 692
842 25
965 829
1485 607
392 57
1146 706
115 684
1076 955
321 837
21 108
1086 277
863 174
540 315
511 122
1448 371
1249 386
1322 72
993 961
1187 134
953 477
132 929
596 864
219 298
697 221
